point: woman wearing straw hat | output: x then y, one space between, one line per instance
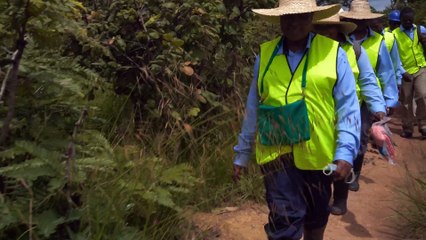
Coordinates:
367 88
381 62
303 111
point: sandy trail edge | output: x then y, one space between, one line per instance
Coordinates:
371 210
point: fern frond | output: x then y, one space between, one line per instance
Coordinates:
11 153
94 163
29 170
38 151
178 174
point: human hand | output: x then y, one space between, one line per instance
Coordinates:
237 172
407 77
378 116
342 171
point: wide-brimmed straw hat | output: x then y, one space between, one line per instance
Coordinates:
289 7
360 10
344 27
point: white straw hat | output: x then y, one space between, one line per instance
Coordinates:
360 10
289 7
344 27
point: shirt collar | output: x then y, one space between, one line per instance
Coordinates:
405 30
370 33
284 50
348 40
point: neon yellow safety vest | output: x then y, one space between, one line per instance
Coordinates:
411 52
389 40
372 47
280 83
387 29
353 62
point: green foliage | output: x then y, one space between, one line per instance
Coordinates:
420 8
172 57
413 209
82 162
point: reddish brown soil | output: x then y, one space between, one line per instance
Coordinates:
371 212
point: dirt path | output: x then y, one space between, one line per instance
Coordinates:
370 215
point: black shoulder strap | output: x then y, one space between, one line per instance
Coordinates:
357 49
419 34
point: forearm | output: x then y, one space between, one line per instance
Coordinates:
370 90
348 113
246 138
386 75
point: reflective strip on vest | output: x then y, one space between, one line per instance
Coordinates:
321 78
353 62
389 40
411 52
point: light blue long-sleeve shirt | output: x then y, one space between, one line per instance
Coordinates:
346 107
384 71
370 91
397 64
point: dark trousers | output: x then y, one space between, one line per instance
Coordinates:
340 192
366 122
297 199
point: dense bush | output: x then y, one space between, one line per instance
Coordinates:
175 59
80 78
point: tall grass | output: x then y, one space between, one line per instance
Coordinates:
135 197
413 208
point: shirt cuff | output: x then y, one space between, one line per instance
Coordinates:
391 103
344 155
376 109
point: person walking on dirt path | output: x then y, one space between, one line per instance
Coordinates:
377 25
303 111
368 90
410 39
373 43
394 21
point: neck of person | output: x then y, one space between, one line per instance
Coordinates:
297 45
341 38
360 34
